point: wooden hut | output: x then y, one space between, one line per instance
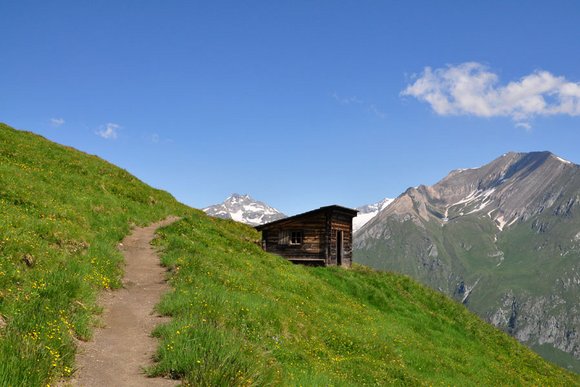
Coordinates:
321 237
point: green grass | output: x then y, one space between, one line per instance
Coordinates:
241 316
62 213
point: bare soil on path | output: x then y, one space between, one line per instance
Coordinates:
119 351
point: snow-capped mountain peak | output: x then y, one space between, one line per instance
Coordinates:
244 209
366 213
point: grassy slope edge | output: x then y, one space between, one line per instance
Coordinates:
62 213
241 316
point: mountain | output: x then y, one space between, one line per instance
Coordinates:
504 239
244 209
366 213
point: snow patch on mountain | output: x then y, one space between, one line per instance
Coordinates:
366 213
244 209
563 160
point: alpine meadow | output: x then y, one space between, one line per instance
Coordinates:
238 315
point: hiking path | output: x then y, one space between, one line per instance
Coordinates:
121 349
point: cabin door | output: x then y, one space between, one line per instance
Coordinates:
339 248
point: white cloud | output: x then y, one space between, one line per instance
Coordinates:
56 122
374 109
524 125
108 131
471 89
354 100
346 100
156 138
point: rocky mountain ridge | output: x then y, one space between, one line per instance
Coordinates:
512 188
504 239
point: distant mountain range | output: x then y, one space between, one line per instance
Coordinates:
244 209
504 239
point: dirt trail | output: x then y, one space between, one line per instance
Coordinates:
118 351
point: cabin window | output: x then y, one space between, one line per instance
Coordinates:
286 237
283 238
296 238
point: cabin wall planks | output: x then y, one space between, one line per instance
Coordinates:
326 237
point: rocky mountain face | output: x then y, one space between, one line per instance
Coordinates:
244 209
504 239
366 213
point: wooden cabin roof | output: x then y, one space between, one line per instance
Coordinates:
326 209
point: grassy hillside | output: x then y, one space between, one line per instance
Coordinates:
62 213
245 317
240 316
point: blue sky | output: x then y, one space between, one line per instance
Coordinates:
299 103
